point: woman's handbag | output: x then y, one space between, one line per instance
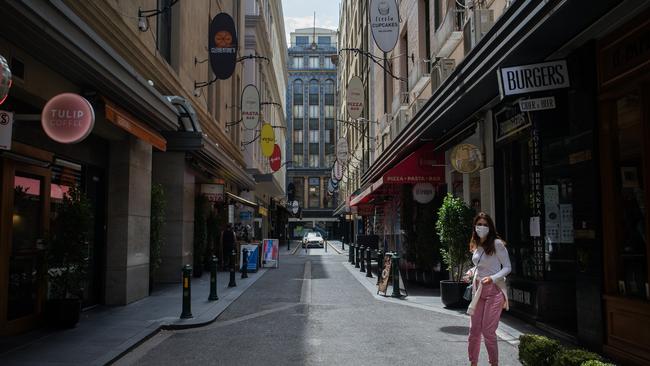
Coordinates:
469 290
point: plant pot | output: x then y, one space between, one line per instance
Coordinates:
63 313
451 294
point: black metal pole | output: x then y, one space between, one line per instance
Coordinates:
233 268
362 259
369 262
187 292
213 279
244 267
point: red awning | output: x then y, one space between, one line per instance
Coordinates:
363 197
424 165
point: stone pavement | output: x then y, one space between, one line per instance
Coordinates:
105 333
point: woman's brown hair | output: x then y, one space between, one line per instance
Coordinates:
475 241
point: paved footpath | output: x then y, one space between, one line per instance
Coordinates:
314 310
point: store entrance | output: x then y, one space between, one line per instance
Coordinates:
25 203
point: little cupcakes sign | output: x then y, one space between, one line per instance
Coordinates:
68 118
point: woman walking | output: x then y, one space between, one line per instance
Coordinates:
491 266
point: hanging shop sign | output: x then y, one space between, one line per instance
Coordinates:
537 104
267 139
466 158
338 170
333 178
508 123
533 78
68 118
222 43
384 23
275 160
6 128
294 206
213 192
5 79
355 94
423 192
342 150
250 107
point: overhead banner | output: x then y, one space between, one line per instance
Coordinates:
267 139
222 43
68 118
5 79
384 23
250 107
275 160
354 97
342 150
533 78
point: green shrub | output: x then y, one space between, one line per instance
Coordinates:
596 363
536 350
574 357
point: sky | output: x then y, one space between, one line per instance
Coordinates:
300 14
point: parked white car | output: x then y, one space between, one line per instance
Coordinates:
313 239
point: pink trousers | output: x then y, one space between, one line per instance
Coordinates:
485 321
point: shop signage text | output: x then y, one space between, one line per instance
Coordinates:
355 94
250 106
213 192
6 128
625 54
68 118
267 139
537 104
533 78
423 192
384 23
508 127
222 44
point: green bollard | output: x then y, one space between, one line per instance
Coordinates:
369 263
213 279
395 266
187 292
362 258
380 264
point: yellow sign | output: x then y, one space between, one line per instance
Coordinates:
263 211
466 158
267 139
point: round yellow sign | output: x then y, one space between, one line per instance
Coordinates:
267 139
466 158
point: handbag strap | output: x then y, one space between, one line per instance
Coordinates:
476 270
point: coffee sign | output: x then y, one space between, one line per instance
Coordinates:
267 139
250 106
222 44
533 78
384 23
355 95
68 118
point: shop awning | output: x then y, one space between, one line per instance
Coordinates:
243 201
424 165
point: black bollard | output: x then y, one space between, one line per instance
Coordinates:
395 266
187 292
213 279
380 264
362 258
350 253
369 263
244 267
233 268
288 244
342 244
356 256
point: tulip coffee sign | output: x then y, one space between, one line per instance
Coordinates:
355 97
250 106
68 118
275 160
384 23
222 43
5 79
267 139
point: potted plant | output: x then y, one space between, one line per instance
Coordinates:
67 258
156 239
454 226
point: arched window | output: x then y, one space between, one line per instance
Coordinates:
313 92
297 92
328 90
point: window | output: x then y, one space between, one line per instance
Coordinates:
313 161
314 62
328 91
329 111
324 41
164 31
297 123
299 183
313 124
329 160
297 137
302 40
313 92
328 64
313 111
329 136
298 111
298 62
314 191
297 93
313 136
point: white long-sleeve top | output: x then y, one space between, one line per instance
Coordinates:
496 265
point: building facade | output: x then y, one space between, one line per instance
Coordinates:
311 116
559 168
154 124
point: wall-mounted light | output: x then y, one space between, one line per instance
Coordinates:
144 15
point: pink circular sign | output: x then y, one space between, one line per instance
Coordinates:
68 118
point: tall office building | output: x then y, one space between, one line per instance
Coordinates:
311 137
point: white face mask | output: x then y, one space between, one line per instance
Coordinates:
482 231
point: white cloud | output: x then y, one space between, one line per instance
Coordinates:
293 23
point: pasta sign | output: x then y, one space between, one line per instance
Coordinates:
222 43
